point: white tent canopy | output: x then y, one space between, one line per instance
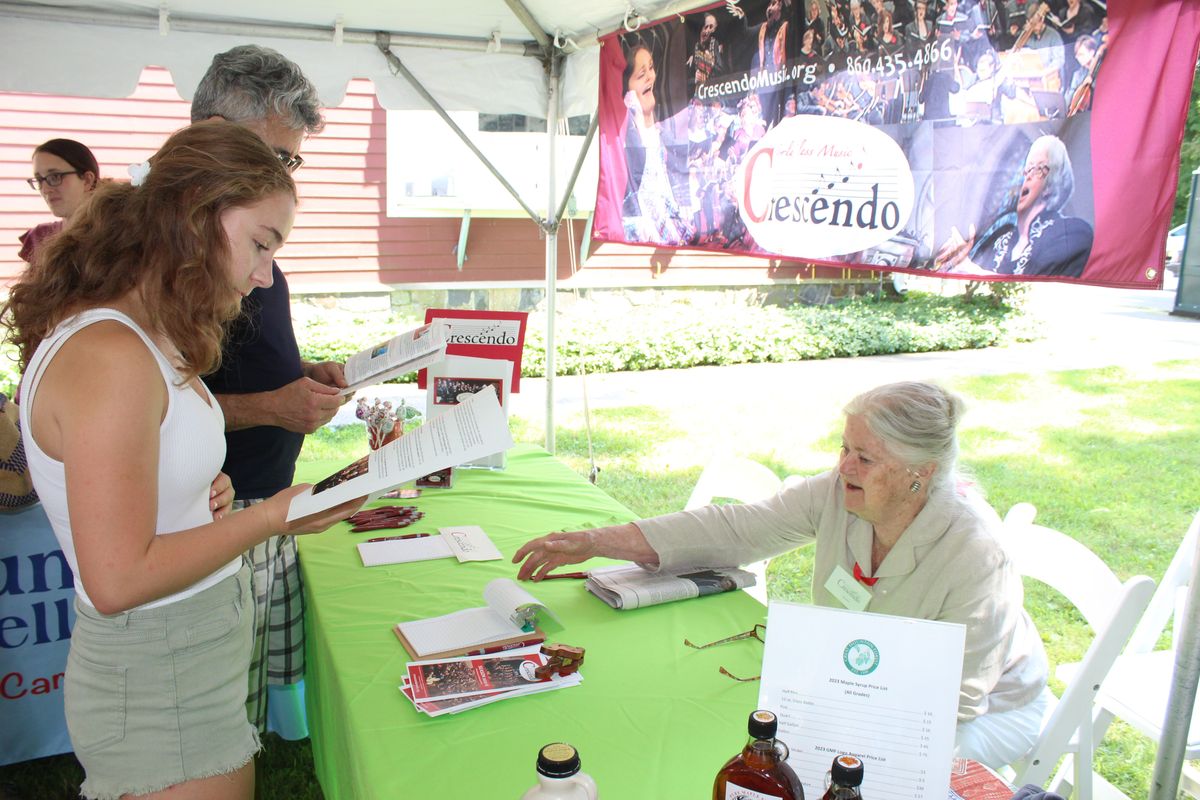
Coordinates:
470 54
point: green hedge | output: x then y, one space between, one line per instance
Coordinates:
678 335
681 335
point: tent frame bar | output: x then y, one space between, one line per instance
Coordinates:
587 144
553 77
522 13
333 34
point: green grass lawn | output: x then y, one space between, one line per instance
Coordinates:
1110 457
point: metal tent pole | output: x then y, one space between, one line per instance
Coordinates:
553 76
1168 764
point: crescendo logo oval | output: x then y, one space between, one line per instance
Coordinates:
824 186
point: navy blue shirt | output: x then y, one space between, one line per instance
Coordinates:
260 355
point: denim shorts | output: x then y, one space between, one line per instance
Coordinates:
158 697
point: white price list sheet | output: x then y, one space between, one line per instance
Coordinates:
879 687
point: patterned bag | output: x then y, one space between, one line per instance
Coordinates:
16 485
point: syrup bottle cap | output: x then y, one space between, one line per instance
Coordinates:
846 771
763 725
558 760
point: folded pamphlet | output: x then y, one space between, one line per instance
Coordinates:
455 705
464 542
631 586
473 676
474 428
411 350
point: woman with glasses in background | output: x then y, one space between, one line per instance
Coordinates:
66 173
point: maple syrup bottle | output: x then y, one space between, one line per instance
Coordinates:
844 779
759 771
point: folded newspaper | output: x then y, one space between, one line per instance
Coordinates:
633 587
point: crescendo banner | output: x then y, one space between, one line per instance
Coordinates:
977 139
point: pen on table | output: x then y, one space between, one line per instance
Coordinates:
483 651
580 575
394 538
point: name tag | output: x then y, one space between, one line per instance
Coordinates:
852 594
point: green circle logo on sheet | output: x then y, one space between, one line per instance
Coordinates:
824 186
861 657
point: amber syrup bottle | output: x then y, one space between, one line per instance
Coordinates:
759 771
844 779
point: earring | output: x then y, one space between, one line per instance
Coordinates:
915 486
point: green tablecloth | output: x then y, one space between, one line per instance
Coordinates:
652 719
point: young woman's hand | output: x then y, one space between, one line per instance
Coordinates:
276 510
220 495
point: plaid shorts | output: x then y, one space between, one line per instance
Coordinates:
277 656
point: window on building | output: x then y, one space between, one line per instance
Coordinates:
519 123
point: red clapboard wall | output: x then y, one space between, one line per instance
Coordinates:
343 239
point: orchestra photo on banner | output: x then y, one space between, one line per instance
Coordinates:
986 103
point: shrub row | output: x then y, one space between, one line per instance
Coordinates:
601 339
681 335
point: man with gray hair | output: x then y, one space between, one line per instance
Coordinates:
271 398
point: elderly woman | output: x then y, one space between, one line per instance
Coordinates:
892 520
1031 236
66 173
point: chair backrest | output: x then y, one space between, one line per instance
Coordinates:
1167 598
1111 608
736 478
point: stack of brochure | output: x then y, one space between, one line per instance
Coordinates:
451 685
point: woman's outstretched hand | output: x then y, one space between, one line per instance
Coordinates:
553 550
545 553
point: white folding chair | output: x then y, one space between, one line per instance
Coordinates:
746 481
1110 608
1139 682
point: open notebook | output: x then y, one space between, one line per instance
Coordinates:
508 621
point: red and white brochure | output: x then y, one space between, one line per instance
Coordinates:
473 675
455 705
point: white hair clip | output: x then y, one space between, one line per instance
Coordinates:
138 173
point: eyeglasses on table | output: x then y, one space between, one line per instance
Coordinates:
757 632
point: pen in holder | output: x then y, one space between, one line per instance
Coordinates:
525 617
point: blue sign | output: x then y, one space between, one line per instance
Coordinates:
37 611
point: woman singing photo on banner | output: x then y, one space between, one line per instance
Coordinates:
1031 235
650 210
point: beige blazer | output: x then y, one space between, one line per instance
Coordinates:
947 566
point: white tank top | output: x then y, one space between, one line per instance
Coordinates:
191 449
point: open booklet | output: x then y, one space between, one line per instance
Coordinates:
506 622
631 586
474 428
411 350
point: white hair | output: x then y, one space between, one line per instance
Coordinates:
917 423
